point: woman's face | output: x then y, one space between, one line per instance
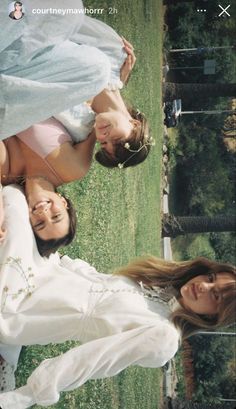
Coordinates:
111 128
18 7
203 294
48 215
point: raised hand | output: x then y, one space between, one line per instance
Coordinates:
128 65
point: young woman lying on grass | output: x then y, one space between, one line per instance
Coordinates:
44 156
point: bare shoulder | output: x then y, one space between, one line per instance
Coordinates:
66 163
4 157
11 158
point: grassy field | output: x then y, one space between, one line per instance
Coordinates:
119 210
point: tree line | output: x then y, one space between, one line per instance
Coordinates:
204 168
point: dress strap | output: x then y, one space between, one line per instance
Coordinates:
59 179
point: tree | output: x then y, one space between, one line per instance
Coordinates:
229 128
213 356
195 91
188 404
173 226
228 381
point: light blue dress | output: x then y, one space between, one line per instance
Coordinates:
52 62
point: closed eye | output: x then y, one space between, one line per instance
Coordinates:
39 226
56 216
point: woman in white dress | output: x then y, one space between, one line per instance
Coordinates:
129 318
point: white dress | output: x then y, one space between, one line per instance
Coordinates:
55 300
50 63
78 120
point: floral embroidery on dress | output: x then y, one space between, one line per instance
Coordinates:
166 295
27 276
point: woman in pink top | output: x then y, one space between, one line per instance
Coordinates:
45 156
53 160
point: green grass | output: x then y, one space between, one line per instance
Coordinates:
119 210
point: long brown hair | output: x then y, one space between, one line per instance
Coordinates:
123 155
157 272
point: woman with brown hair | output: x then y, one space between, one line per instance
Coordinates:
44 157
17 13
137 316
48 150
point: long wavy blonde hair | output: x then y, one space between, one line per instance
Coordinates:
153 271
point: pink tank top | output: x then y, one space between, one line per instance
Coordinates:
45 136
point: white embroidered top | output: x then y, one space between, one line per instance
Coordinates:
78 121
53 301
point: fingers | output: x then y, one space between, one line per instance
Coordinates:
130 51
127 43
127 68
3 233
131 59
129 62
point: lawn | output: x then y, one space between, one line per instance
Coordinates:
119 210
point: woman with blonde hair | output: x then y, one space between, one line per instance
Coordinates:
137 316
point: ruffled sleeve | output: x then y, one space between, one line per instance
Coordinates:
95 33
81 267
78 121
105 357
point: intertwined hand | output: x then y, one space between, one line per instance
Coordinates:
128 65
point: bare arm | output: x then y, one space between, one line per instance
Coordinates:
129 62
72 162
84 152
4 160
112 98
2 230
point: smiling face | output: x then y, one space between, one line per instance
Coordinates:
203 294
113 127
48 215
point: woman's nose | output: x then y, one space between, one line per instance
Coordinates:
102 136
205 287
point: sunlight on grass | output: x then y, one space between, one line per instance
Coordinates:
119 210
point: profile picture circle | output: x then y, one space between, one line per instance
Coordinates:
16 10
